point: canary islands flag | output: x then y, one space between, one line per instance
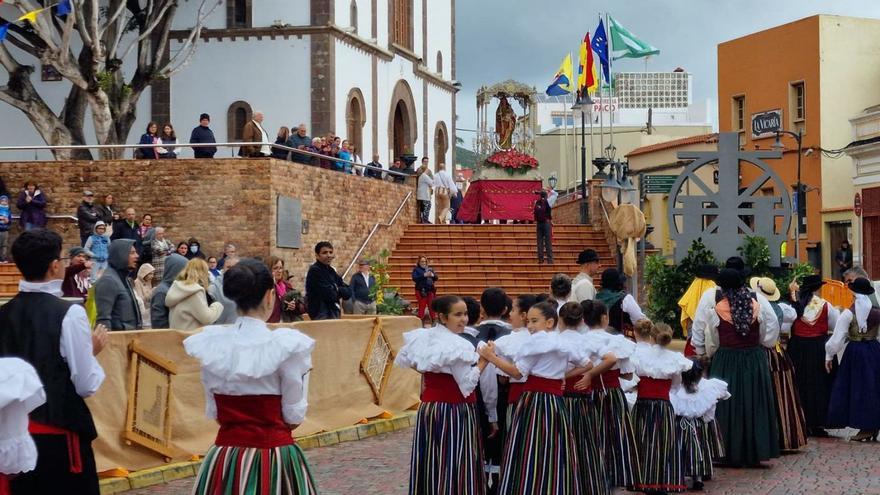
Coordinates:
561 84
588 78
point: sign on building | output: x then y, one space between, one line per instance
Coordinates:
657 184
605 105
765 124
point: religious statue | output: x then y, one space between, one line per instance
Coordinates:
505 124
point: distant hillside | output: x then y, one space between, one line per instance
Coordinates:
465 157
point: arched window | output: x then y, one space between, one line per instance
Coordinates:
439 63
441 143
238 13
355 118
353 13
237 116
402 23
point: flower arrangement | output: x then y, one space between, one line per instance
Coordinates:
512 161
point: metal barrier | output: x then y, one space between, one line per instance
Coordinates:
373 231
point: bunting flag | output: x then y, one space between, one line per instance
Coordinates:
624 41
3 30
588 79
64 7
31 16
600 46
561 84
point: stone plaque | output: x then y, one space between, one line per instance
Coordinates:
288 228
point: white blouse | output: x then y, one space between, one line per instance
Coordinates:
508 347
20 393
702 403
246 358
656 362
550 355
439 350
620 346
839 338
704 331
788 316
583 344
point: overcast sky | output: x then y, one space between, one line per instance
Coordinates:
527 39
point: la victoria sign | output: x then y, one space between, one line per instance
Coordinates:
766 124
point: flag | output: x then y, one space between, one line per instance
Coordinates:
561 84
63 8
588 79
3 30
600 46
631 46
31 16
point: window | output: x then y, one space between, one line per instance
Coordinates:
402 22
439 63
796 92
353 14
355 118
738 113
238 13
237 116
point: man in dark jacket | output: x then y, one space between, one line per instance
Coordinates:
361 284
543 219
128 228
114 295
324 287
87 215
301 141
174 264
203 134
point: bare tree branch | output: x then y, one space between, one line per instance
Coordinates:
188 48
148 30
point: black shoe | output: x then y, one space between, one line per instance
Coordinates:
864 436
698 486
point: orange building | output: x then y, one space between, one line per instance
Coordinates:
812 76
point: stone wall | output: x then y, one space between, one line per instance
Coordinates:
227 200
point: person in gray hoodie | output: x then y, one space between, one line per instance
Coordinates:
174 264
114 294
215 290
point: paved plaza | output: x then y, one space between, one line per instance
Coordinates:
380 465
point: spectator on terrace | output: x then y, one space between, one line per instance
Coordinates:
143 289
345 154
114 295
194 249
5 223
229 251
203 134
98 244
446 190
150 137
32 204
398 166
187 299
215 292
128 228
182 248
327 150
376 174
283 136
315 147
86 216
254 132
212 267
324 286
423 192
77 275
160 249
146 230
108 212
354 155
167 138
301 141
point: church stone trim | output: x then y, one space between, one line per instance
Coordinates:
402 94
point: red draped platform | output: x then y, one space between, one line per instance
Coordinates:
488 199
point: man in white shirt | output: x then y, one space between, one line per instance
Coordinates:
445 188
583 287
54 336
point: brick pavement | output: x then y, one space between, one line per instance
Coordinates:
380 465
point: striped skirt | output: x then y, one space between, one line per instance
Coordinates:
696 453
447 453
540 457
714 439
789 413
255 471
582 418
659 452
617 438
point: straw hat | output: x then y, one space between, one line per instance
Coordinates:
766 287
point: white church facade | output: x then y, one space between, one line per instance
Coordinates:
380 73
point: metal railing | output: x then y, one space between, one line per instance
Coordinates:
53 217
373 231
231 146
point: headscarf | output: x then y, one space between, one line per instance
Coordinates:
739 297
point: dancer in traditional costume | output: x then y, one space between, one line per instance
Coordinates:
20 393
815 320
540 456
789 413
616 436
653 417
623 310
692 402
447 454
507 347
855 397
582 413
734 336
256 387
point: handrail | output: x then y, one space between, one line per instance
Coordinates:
53 217
373 232
45 147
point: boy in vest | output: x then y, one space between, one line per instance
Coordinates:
54 336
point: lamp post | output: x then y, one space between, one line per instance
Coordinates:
799 192
581 104
552 181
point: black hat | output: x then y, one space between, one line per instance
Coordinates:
737 263
709 271
862 286
587 256
729 278
204 116
613 279
811 283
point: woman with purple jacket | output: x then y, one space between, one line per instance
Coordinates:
32 204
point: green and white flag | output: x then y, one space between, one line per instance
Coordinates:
624 41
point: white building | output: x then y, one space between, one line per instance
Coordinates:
381 74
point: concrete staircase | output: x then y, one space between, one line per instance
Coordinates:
470 258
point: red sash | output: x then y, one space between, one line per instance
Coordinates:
4 484
652 388
569 386
545 385
251 421
515 391
73 453
608 380
442 387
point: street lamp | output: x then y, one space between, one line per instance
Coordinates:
800 196
581 104
552 181
617 184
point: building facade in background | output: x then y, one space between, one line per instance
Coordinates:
809 76
865 153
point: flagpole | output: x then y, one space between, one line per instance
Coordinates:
601 95
611 81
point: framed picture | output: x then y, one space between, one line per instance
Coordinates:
148 420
